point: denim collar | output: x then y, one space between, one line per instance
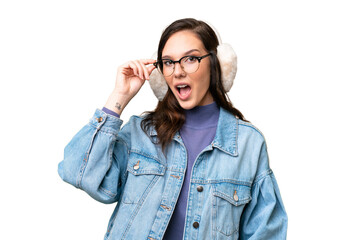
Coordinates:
226 133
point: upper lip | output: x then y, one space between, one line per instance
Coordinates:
182 83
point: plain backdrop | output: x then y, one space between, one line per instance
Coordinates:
297 81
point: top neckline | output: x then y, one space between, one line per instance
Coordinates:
201 117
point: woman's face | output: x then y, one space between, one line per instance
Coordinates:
196 91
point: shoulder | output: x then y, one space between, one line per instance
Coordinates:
252 141
133 123
248 126
232 127
135 126
135 119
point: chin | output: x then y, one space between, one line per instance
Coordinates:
186 105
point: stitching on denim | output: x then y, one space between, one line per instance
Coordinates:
159 170
103 129
107 192
85 161
234 149
241 183
107 118
262 176
111 223
235 231
109 115
236 139
148 172
110 160
142 199
145 155
124 173
128 202
230 200
224 150
213 214
252 126
172 169
108 130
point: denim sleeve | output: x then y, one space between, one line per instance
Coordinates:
264 217
89 161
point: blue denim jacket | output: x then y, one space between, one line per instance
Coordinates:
233 192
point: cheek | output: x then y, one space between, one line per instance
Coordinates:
168 82
204 77
204 70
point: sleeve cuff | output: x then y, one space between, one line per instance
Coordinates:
106 122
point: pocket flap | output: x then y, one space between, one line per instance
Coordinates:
235 194
139 165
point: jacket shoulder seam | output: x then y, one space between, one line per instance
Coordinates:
262 176
251 126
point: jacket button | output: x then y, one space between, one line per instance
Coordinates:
136 166
236 197
200 188
195 224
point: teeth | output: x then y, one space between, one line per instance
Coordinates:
181 86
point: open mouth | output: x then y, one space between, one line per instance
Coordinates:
183 90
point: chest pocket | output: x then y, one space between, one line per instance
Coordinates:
143 172
229 200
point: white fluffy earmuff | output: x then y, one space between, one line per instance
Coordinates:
228 64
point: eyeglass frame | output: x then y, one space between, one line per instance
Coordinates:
158 63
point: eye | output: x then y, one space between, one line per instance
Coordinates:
167 63
190 59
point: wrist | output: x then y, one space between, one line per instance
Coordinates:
117 102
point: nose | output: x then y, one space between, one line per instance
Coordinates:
178 70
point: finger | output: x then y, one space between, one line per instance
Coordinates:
140 69
145 70
147 61
134 68
125 69
150 69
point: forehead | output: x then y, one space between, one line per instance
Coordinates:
181 42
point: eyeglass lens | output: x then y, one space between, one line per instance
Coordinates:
189 64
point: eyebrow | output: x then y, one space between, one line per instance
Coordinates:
186 53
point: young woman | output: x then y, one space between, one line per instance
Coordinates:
192 169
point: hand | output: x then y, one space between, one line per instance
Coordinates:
130 78
132 75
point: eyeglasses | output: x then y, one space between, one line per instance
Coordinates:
189 64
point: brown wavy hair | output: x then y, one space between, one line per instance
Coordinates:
168 117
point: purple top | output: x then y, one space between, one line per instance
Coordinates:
108 111
197 133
